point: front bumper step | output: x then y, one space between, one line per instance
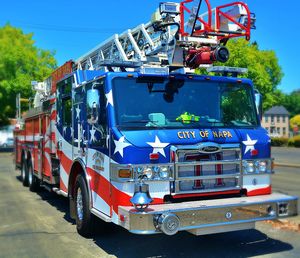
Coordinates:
208 216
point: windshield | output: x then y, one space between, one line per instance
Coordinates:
173 103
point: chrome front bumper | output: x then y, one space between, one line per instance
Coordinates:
210 216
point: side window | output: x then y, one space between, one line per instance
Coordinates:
67 112
64 108
96 113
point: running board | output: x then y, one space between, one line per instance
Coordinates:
100 215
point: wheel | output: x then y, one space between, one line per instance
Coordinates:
84 218
33 181
24 173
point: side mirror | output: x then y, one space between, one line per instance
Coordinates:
258 103
93 103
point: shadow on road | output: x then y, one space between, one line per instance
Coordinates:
246 243
119 242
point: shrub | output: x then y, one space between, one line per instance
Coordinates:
296 140
279 141
291 142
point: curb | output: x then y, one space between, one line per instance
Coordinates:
287 165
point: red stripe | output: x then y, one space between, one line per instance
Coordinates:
65 162
62 186
219 168
260 191
103 188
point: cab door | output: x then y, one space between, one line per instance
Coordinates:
97 146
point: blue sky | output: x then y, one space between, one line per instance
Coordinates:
72 28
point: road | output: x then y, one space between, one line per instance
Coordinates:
37 225
286 155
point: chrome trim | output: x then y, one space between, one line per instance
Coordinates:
87 178
190 150
192 178
203 146
101 215
269 166
200 163
114 168
209 214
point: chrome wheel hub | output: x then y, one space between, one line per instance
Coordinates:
79 204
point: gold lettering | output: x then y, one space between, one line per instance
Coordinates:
225 134
180 135
229 134
204 134
215 134
193 134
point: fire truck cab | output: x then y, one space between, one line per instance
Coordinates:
152 148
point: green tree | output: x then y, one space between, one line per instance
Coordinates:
20 63
292 103
263 68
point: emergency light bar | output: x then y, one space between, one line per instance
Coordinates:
169 8
225 70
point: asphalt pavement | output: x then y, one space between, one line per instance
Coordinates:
286 156
38 225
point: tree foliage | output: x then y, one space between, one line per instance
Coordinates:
292 102
20 63
263 68
295 121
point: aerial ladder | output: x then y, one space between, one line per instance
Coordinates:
177 37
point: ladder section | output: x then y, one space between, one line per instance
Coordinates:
177 36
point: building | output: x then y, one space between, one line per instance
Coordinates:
276 121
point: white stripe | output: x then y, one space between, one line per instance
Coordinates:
100 204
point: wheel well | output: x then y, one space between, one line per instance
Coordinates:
75 171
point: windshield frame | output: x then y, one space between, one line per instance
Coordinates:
193 78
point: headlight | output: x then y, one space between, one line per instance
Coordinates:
153 172
164 172
256 166
261 166
248 166
148 173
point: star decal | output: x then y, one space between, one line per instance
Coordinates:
92 132
78 112
249 144
109 98
72 131
158 146
121 144
107 140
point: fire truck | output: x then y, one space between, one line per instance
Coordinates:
133 134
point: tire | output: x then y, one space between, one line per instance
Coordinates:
24 173
33 181
84 219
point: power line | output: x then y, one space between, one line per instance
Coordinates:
50 27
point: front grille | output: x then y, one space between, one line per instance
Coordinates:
208 172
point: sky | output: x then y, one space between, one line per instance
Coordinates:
72 28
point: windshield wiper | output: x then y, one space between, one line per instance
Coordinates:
149 122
